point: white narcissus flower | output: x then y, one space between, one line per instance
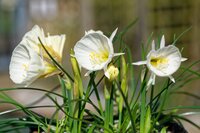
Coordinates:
29 61
95 51
25 66
162 62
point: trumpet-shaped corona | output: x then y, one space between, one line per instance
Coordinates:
95 51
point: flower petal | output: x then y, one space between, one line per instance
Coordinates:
92 31
140 63
171 78
153 46
106 73
56 45
88 73
152 79
162 43
113 34
118 54
31 38
183 59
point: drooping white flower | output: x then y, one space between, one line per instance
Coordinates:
25 66
29 61
162 62
95 51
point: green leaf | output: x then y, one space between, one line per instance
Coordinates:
163 130
187 93
91 129
147 125
175 40
127 106
126 29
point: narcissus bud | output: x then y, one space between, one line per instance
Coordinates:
112 72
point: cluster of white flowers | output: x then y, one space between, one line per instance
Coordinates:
93 52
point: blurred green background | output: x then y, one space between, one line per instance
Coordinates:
74 17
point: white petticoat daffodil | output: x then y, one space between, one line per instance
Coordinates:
25 66
95 51
162 62
29 61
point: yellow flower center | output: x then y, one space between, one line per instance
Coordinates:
158 61
98 58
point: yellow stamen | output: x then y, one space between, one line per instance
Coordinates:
98 58
158 61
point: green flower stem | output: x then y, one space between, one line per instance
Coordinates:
107 108
77 94
77 74
63 87
128 108
120 122
124 87
131 76
162 103
70 108
151 96
98 97
143 100
143 110
75 104
92 77
111 104
137 97
66 92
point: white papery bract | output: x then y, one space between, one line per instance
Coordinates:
29 61
162 62
95 51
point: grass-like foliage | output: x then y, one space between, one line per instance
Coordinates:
133 101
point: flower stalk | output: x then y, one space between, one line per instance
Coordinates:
77 92
124 87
